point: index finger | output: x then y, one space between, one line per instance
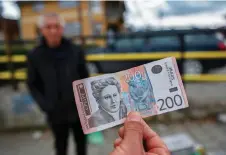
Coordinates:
151 138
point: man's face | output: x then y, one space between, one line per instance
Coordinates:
52 31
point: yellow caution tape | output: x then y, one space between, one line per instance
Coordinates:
21 75
136 56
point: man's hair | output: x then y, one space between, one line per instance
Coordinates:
41 20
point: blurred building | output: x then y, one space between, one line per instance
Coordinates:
82 17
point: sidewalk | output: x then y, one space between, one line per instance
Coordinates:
211 135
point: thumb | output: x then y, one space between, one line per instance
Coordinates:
133 133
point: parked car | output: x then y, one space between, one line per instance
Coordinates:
207 43
192 43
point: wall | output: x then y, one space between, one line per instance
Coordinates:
29 17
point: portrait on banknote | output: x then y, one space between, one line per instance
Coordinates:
107 93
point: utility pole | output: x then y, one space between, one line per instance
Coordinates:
80 14
8 50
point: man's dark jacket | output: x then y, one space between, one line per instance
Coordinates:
51 72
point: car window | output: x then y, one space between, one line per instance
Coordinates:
120 43
201 38
129 42
201 42
164 40
137 42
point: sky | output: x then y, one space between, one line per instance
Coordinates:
145 13
10 10
175 14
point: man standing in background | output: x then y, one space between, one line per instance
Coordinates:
52 67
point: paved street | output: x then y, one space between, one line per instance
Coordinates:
211 135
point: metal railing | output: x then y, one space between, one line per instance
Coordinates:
20 47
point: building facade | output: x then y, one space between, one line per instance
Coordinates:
81 17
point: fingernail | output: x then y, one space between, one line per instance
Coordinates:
118 140
134 116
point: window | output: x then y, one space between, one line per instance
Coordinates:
97 28
72 29
163 43
38 6
200 38
163 40
95 6
68 4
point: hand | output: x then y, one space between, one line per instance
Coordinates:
132 135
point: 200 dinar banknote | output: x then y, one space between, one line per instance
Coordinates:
151 89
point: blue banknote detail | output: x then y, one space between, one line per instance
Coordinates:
141 92
127 101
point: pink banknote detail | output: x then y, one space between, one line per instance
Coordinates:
83 105
137 91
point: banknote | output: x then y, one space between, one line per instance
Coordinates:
150 89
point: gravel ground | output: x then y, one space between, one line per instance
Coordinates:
209 134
